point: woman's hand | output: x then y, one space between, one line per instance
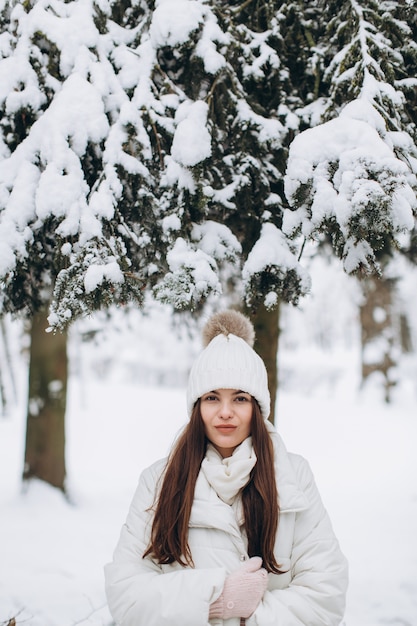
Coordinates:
242 592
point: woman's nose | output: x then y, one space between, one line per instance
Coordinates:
226 410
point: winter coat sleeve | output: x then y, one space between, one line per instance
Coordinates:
139 592
319 573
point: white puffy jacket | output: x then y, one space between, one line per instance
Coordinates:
311 592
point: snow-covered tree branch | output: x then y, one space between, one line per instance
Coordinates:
353 176
122 138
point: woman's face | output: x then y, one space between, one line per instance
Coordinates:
227 417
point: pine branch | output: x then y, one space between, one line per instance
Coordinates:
241 8
158 143
302 249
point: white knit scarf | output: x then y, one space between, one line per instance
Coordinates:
228 476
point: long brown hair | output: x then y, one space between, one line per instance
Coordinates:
169 535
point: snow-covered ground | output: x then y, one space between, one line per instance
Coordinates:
120 420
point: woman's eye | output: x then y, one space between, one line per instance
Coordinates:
243 399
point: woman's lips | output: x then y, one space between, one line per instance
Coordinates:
226 429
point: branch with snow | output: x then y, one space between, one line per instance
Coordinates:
272 272
191 143
343 178
194 265
94 278
192 277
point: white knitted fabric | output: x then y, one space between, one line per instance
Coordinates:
228 476
228 362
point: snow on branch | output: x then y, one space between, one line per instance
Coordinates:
216 240
345 179
272 271
193 265
95 277
366 63
192 276
43 177
175 21
191 143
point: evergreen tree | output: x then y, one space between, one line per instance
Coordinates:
143 148
132 160
352 179
172 166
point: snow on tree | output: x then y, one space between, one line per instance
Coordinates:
345 179
132 156
130 142
143 147
354 175
352 180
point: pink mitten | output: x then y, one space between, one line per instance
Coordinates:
242 592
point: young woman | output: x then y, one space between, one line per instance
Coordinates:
230 530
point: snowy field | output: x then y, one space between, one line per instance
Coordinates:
363 454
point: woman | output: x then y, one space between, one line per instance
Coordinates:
231 529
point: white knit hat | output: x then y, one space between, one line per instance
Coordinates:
229 362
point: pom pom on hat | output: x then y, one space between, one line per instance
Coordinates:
228 361
229 323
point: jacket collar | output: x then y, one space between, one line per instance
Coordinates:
291 497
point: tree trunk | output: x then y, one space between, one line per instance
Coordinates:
8 392
266 325
380 337
45 430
